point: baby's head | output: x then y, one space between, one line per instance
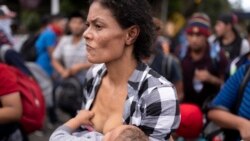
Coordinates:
125 133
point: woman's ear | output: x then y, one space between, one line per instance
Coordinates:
132 34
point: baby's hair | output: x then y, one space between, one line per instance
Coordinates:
132 134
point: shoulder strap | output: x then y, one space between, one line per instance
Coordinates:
241 89
169 64
164 66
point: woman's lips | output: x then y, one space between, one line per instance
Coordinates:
89 49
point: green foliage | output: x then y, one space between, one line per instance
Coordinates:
214 8
68 6
30 20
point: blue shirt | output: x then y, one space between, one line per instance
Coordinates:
227 97
46 40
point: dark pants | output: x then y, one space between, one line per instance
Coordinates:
7 129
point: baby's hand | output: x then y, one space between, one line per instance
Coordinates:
84 117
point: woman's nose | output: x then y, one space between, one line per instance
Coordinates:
87 34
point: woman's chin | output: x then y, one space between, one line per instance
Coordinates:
95 61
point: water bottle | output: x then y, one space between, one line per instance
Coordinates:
198 85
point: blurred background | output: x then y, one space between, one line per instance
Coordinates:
173 12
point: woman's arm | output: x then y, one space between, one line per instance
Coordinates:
64 133
78 67
64 73
11 110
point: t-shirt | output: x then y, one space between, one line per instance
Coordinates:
70 54
46 40
238 47
226 98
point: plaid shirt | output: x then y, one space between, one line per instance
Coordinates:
151 103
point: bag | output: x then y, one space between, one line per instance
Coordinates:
44 81
28 49
69 95
32 102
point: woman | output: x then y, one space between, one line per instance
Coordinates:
123 90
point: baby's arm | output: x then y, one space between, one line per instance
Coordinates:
82 118
64 132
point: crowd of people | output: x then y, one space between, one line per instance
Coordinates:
123 78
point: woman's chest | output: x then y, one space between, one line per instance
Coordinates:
108 107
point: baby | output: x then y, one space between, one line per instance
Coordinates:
68 131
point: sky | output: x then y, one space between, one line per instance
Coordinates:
245 4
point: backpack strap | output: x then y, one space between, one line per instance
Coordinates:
166 65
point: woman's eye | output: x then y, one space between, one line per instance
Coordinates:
87 24
99 27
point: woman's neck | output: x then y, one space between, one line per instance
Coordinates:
119 71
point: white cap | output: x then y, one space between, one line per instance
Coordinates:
5 11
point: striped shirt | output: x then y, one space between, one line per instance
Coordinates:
227 97
151 103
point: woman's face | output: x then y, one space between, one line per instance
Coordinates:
105 38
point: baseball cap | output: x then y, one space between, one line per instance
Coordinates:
191 121
5 11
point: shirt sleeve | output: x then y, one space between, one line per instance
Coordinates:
227 96
58 52
161 114
50 39
245 48
8 80
64 133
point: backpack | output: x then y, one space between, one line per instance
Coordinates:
32 102
68 95
28 49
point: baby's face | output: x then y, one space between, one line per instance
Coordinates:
113 134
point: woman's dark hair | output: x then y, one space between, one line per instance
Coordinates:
133 12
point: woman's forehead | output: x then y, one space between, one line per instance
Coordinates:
97 10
